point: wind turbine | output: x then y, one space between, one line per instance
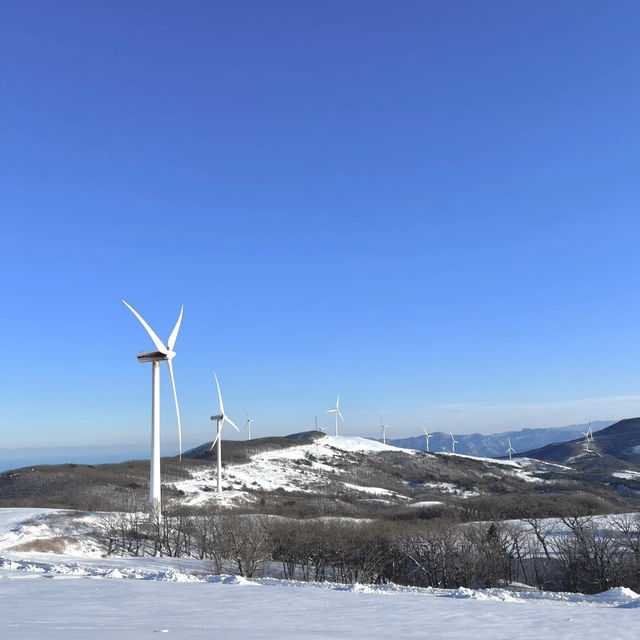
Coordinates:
384 428
590 431
155 357
337 413
586 439
510 450
427 436
454 442
220 419
249 421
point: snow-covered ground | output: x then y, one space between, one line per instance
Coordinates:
230 608
301 468
445 487
56 596
627 475
310 467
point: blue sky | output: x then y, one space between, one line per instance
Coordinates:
428 207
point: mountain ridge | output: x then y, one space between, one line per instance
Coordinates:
495 445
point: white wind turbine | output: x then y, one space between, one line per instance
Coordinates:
590 431
586 435
249 421
155 357
510 450
383 428
427 437
337 413
454 442
220 419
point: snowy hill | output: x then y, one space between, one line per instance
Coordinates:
314 475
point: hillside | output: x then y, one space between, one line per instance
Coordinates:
614 449
314 474
612 459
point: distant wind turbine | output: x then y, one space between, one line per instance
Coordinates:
220 419
155 357
249 421
510 450
586 439
383 428
454 442
427 437
590 431
336 412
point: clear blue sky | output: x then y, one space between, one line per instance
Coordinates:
428 207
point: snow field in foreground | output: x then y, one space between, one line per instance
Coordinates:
35 607
56 596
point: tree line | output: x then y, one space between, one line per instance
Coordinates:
570 554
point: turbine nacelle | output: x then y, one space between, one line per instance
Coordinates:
163 353
217 418
155 356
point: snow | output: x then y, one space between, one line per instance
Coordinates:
355 443
425 503
310 467
627 475
509 463
375 491
62 596
445 487
76 606
296 469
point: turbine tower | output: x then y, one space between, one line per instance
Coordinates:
427 436
155 357
220 419
249 421
454 442
510 450
337 413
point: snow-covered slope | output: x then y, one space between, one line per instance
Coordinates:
302 468
58 596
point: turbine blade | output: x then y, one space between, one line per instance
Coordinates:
332 411
225 419
175 398
338 402
159 346
338 410
219 393
213 444
174 333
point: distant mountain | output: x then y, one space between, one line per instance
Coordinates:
495 445
96 454
620 441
